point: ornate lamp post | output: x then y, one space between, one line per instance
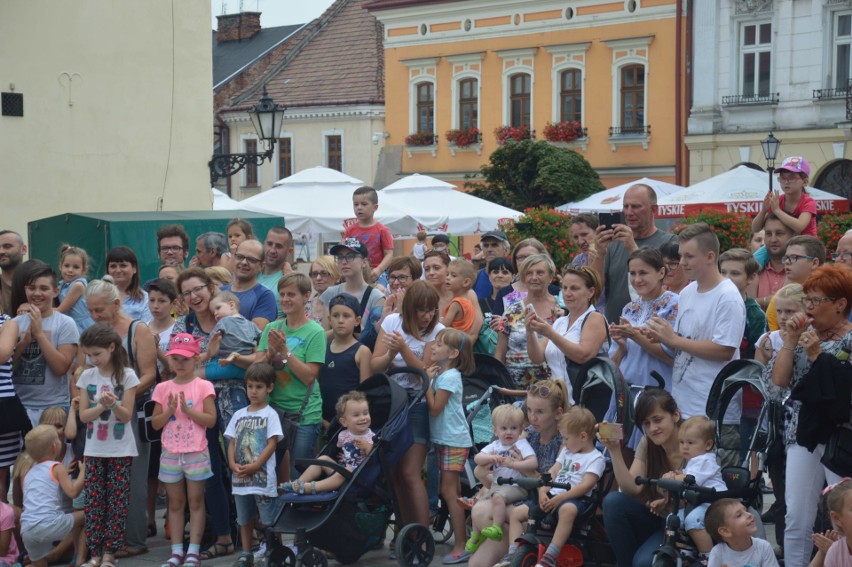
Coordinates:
267 118
770 147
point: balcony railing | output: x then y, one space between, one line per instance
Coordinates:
849 101
771 98
826 94
630 130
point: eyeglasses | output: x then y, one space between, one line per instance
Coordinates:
347 258
193 291
672 266
400 279
249 259
841 256
790 259
817 300
319 274
171 248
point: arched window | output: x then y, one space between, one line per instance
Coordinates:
425 108
468 103
633 99
519 99
836 178
571 96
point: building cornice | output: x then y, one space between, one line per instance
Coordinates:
372 112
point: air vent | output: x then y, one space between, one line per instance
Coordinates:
13 104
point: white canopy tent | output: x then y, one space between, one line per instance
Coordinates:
222 202
612 199
739 190
437 206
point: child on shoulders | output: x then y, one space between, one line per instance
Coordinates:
355 442
73 266
732 528
460 313
375 236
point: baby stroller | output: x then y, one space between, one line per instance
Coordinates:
480 394
349 521
600 388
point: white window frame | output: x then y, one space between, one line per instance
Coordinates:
514 62
835 42
285 135
467 66
334 132
756 49
627 52
565 57
422 71
243 172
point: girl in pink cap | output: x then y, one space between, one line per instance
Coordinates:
794 207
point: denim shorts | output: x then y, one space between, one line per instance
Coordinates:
249 506
174 467
418 418
695 519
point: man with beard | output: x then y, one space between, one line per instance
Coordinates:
773 276
276 249
12 251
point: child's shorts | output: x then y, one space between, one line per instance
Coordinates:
511 493
451 459
39 539
249 505
212 371
174 467
695 519
581 505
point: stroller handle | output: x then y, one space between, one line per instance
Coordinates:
424 378
676 487
532 483
661 382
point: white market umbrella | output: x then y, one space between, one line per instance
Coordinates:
612 199
221 202
437 206
316 202
739 190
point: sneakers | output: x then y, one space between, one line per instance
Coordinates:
456 558
246 559
505 562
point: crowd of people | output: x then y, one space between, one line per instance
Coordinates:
109 381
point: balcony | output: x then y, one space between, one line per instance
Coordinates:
829 94
743 100
629 136
421 142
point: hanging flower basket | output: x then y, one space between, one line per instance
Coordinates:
513 133
563 131
421 139
464 137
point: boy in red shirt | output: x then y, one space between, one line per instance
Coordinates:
375 236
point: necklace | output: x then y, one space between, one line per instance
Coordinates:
832 332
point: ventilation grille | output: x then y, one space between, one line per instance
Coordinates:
13 104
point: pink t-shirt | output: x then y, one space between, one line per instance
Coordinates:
7 522
838 554
376 238
806 204
181 434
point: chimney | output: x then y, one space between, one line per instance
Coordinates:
237 27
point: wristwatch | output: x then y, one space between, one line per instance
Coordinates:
280 361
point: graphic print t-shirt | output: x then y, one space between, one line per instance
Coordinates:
107 436
251 432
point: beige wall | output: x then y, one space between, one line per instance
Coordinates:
131 132
360 154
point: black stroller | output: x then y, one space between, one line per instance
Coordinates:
600 388
349 521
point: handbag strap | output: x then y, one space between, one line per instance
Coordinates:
131 333
305 400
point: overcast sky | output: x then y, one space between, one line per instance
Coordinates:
274 12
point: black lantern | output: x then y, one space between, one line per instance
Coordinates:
770 147
267 118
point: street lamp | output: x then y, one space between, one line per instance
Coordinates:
770 147
267 118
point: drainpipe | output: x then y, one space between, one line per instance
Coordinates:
679 151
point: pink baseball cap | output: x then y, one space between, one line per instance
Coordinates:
796 164
183 344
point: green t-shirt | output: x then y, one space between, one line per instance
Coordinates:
307 343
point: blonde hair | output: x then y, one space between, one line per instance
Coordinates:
507 414
41 442
219 274
792 292
465 269
699 424
457 340
22 465
54 415
578 420
329 264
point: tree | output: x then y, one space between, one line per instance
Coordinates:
526 174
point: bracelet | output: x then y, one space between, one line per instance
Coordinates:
791 349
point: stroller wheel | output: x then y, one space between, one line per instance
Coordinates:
281 556
313 557
415 546
666 556
525 556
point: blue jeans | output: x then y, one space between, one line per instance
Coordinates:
230 398
637 532
304 447
215 496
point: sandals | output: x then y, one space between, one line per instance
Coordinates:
215 550
92 563
467 502
493 532
129 551
194 560
245 560
474 542
173 561
298 487
152 530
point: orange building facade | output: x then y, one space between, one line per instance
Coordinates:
616 67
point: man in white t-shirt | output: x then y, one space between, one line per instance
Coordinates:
708 330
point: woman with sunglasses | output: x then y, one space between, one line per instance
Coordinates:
405 339
323 274
545 403
351 255
675 279
823 328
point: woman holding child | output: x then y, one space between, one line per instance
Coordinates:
405 339
629 513
577 337
435 268
823 328
546 402
197 289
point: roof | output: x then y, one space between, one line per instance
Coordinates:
389 4
338 59
231 56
